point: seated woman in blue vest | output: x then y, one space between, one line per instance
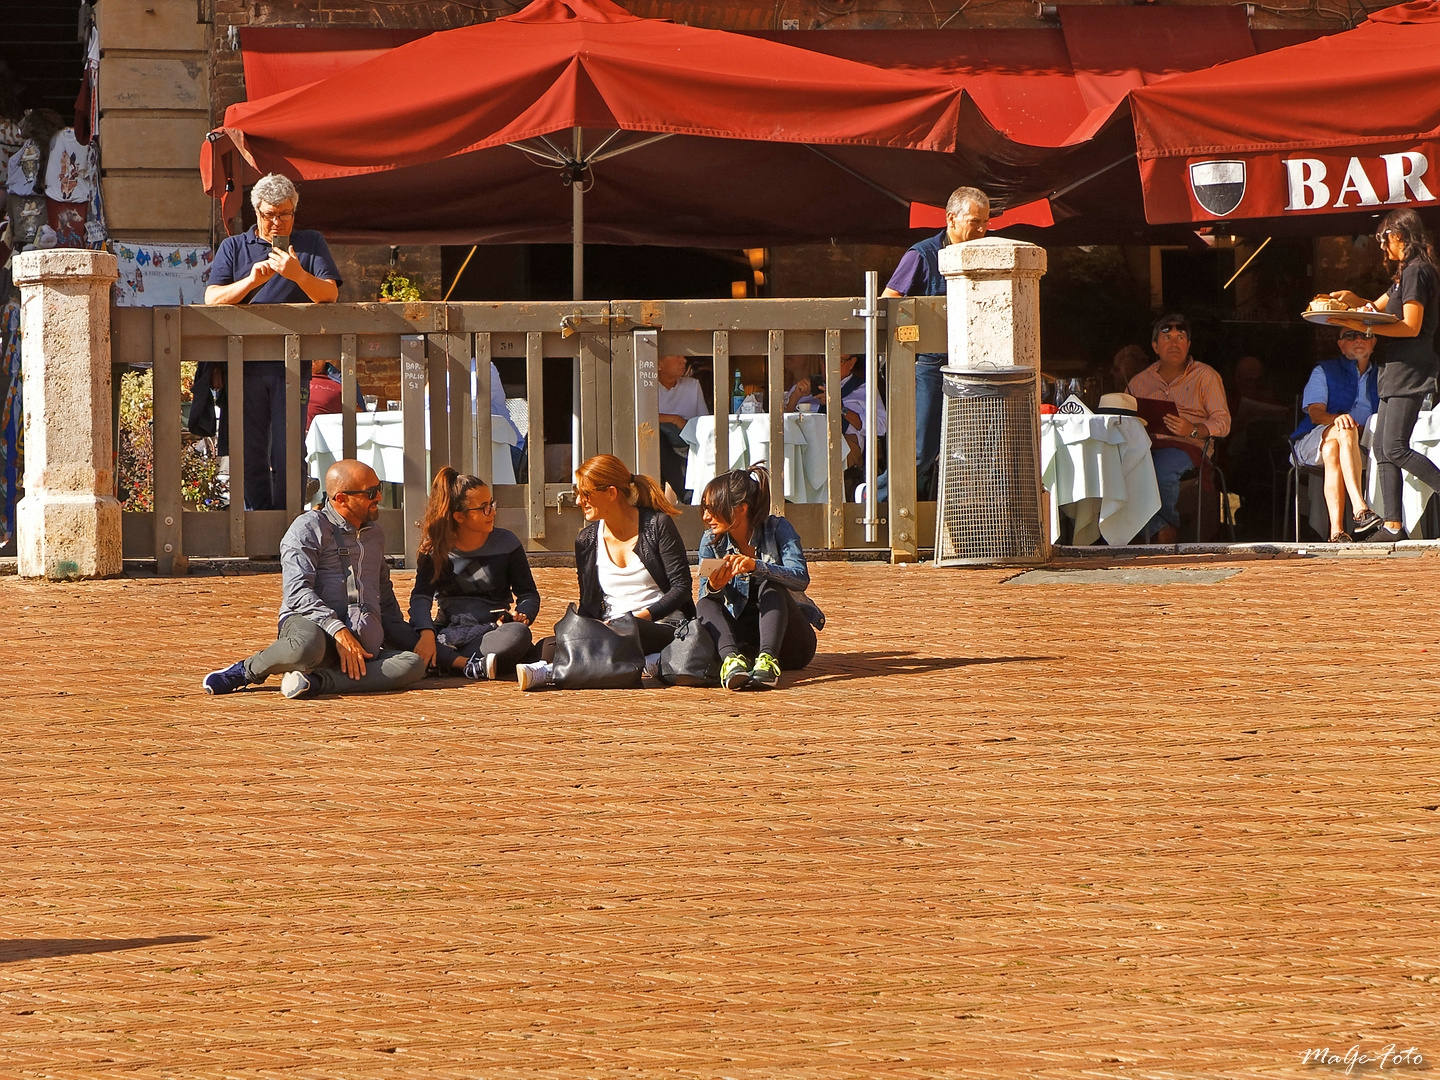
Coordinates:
754 602
1339 397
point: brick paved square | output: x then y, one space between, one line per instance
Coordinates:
1075 829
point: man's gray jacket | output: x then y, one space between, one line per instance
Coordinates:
314 580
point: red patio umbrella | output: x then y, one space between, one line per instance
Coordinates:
706 138
1343 125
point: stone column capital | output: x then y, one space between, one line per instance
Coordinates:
45 266
992 255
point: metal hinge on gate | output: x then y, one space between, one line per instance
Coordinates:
573 324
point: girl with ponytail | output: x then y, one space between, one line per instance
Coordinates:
629 558
474 597
753 602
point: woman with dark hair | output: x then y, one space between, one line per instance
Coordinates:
471 572
754 602
1407 367
629 558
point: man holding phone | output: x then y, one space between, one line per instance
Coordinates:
269 263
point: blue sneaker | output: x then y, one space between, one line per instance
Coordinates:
227 680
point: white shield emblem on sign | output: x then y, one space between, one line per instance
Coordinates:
1218 185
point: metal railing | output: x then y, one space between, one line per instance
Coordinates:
613 348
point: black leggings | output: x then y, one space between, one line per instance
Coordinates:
510 642
1393 425
771 622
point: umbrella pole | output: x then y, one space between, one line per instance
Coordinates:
577 225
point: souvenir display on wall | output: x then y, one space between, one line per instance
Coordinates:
161 275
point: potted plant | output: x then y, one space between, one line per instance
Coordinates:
398 287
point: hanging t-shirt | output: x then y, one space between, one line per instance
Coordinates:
23 173
68 221
69 171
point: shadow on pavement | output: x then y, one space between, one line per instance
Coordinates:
840 667
14 949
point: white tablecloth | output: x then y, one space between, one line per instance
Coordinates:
1413 494
1099 469
380 443
806 467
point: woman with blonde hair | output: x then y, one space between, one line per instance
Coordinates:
629 558
474 596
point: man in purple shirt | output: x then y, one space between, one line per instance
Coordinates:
967 213
248 269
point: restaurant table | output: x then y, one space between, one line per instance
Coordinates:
1098 468
1413 494
806 452
380 443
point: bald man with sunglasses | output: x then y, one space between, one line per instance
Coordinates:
341 628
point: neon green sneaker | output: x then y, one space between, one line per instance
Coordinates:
766 672
735 672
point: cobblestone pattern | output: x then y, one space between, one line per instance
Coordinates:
1060 831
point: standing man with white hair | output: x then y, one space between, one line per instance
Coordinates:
252 269
967 215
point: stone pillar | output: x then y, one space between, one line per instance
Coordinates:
993 286
68 523
991 508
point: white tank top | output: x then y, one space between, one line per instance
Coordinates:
626 588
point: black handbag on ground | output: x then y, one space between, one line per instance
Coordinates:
591 655
691 659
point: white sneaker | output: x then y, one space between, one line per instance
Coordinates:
492 663
295 684
532 676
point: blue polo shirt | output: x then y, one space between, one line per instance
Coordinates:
237 254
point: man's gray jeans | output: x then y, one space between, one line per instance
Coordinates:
303 646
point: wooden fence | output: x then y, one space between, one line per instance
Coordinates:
614 345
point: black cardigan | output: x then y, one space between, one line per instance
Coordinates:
659 548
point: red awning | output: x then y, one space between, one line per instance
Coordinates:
1011 111
1348 123
281 58
443 138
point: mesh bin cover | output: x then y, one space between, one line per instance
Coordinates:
988 508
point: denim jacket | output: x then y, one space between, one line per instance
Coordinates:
779 557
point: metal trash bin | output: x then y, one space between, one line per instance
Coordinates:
988 505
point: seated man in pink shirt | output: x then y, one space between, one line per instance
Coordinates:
1199 399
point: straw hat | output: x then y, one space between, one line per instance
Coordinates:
1120 405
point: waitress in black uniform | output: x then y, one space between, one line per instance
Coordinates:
1408 364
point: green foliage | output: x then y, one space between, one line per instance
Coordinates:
397 286
200 484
